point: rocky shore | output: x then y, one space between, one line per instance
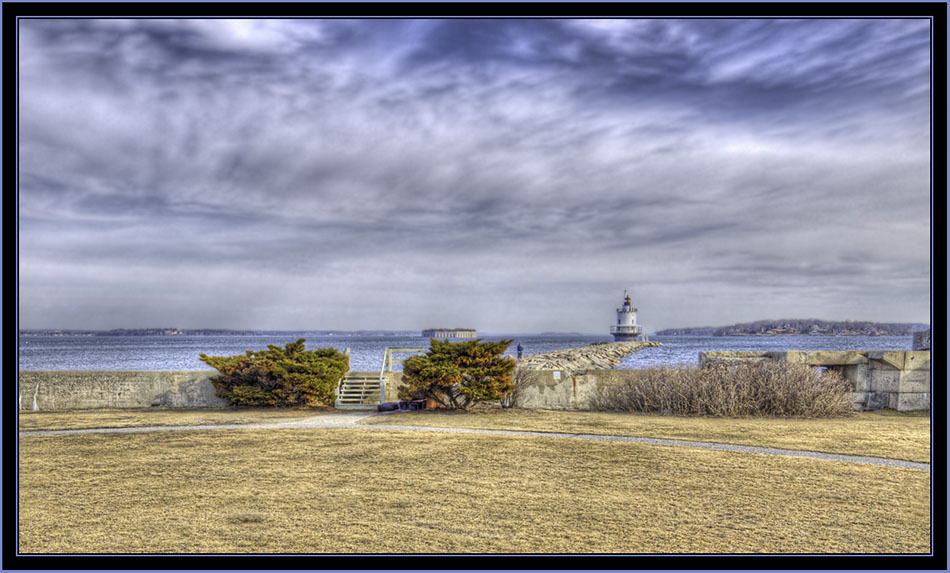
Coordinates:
596 356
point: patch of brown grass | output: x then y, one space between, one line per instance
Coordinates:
138 417
356 491
880 434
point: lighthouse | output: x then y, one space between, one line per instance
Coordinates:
626 328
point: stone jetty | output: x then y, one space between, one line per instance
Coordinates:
596 356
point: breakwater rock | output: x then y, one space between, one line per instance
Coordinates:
596 356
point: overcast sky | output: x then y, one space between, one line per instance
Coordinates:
504 175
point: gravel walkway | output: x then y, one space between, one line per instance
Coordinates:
683 443
352 421
324 421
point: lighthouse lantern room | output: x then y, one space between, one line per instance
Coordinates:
626 328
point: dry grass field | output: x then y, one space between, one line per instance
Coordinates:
363 491
883 433
138 417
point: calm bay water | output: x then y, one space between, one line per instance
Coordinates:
366 352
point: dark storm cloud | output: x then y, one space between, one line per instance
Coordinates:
297 169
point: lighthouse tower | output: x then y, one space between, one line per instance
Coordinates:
626 328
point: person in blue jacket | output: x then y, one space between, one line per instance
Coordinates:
520 348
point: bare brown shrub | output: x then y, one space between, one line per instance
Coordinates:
766 388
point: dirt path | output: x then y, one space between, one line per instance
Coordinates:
329 421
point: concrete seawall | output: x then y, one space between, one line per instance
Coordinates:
85 389
565 390
898 379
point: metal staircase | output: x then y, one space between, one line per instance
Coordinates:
359 391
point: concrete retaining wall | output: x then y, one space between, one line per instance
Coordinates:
86 389
393 382
90 389
880 379
563 379
563 390
549 389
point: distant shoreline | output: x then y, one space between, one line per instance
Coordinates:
249 333
764 335
132 332
801 327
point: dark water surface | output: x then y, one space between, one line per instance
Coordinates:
366 352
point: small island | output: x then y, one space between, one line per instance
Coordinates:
801 327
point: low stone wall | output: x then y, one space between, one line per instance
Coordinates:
549 389
897 379
599 355
881 379
564 390
564 379
88 389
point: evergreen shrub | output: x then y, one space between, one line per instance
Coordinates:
288 376
458 375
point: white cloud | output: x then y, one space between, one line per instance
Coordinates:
287 161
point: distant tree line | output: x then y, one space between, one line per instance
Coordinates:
137 332
209 332
800 327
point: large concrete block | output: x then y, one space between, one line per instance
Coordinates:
886 359
858 400
913 401
858 374
917 360
586 389
892 400
914 381
877 400
827 357
885 380
543 390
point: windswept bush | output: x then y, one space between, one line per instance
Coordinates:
458 374
766 388
288 376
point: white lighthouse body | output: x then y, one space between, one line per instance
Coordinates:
626 328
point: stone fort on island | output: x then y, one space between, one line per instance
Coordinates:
449 333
